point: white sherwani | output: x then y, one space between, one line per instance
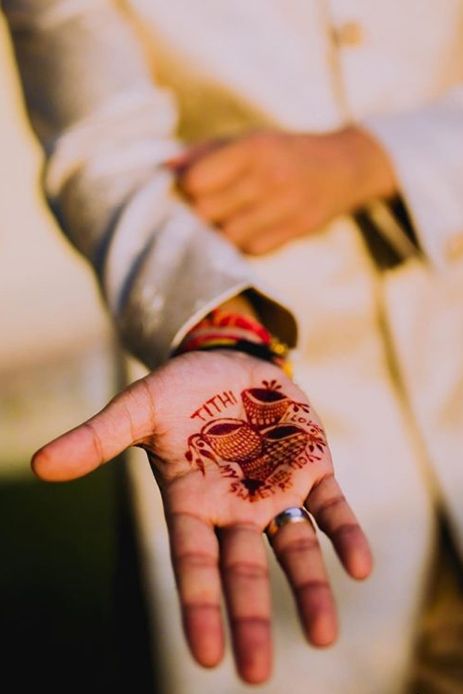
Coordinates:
379 353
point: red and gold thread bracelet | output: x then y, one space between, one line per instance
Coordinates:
236 331
221 319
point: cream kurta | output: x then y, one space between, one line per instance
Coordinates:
380 355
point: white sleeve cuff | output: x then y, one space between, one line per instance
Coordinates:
277 318
426 149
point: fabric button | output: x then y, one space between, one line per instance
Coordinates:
454 249
348 34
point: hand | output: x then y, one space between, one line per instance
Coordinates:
267 187
232 443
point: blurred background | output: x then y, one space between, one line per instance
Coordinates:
87 595
70 601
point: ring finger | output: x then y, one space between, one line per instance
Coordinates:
298 552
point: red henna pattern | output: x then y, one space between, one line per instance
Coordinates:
258 453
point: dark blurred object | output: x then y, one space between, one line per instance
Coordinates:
383 252
72 613
438 664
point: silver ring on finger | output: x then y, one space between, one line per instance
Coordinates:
294 514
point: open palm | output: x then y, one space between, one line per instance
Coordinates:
232 442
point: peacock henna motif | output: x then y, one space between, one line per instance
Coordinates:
257 453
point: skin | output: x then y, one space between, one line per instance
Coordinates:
218 546
266 187
260 190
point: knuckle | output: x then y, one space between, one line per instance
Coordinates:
246 526
299 546
346 529
312 586
191 605
251 620
197 560
326 479
337 500
243 569
95 439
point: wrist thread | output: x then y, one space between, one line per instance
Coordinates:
234 331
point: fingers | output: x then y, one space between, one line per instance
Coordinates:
273 238
297 550
182 161
243 565
335 517
194 551
217 169
247 592
270 213
223 204
122 423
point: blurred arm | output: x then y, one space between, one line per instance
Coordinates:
106 130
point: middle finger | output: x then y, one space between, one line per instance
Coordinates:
247 592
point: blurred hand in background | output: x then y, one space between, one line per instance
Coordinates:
266 187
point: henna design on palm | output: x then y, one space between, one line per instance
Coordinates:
258 453
260 444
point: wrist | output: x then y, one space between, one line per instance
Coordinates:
368 167
221 329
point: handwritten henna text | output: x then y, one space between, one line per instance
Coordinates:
215 405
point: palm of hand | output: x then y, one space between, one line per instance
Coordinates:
247 451
232 443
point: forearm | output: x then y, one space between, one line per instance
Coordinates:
106 130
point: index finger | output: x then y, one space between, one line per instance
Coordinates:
217 169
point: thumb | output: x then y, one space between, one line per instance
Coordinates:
125 421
